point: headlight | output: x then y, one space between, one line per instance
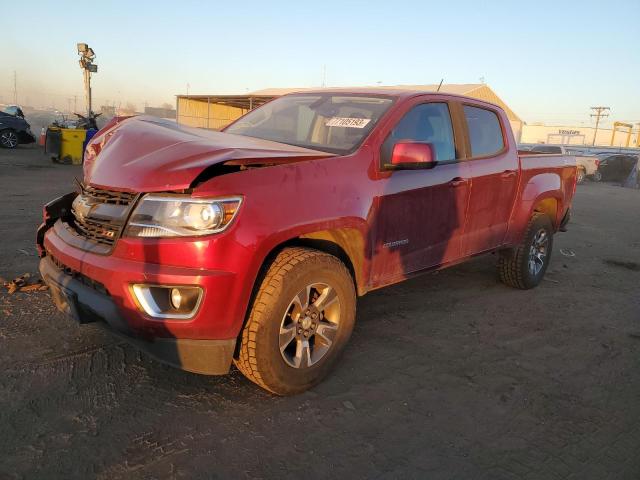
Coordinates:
181 216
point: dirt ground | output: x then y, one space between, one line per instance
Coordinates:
447 376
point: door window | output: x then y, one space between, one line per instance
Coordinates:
485 133
428 123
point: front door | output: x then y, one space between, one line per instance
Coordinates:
420 214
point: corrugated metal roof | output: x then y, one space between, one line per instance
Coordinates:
253 99
459 89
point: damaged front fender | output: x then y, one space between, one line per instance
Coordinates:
51 212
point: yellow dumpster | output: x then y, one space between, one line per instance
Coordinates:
71 145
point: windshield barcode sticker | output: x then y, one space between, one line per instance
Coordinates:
347 122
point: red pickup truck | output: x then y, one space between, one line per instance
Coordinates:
252 244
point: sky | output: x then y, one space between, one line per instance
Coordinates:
549 61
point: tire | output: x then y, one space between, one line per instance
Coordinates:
581 175
9 138
597 176
514 266
273 355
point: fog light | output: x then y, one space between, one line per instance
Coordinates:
176 298
160 301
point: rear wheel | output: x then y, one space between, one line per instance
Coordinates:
597 176
300 321
581 175
524 266
8 138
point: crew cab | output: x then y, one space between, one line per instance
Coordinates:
251 245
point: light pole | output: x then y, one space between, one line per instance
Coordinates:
87 57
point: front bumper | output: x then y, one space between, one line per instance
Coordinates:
80 298
26 136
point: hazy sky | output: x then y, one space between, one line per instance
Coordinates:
550 61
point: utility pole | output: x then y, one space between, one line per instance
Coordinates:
600 113
88 67
15 88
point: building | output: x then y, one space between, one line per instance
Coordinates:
217 111
580 135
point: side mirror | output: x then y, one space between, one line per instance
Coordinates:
412 155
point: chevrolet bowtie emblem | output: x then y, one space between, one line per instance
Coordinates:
82 207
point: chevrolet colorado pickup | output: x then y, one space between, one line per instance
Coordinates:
252 244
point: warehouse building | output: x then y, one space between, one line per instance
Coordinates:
217 111
622 136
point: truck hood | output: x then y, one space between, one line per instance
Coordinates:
146 154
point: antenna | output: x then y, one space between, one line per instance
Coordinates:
440 84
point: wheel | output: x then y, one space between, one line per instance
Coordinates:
8 139
300 321
597 176
581 175
524 266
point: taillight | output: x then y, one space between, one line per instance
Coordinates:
597 163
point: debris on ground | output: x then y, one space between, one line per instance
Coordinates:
567 252
22 283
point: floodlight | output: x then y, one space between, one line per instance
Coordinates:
82 47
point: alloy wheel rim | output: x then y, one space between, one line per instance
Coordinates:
9 139
309 325
538 251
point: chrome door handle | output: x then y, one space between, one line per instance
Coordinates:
508 174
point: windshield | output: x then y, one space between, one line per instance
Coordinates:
327 122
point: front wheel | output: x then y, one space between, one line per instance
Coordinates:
597 176
524 266
300 321
8 139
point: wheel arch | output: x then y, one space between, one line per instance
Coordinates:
549 207
346 244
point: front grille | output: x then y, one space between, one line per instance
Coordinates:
99 215
109 196
97 231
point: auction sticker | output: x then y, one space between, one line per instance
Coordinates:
347 122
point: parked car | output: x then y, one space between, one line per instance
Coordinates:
14 129
251 245
616 167
587 164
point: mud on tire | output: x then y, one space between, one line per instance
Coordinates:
323 322
524 266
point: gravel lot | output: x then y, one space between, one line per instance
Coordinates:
450 375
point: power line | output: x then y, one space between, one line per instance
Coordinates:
600 112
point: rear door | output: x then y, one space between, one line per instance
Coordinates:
421 213
494 179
